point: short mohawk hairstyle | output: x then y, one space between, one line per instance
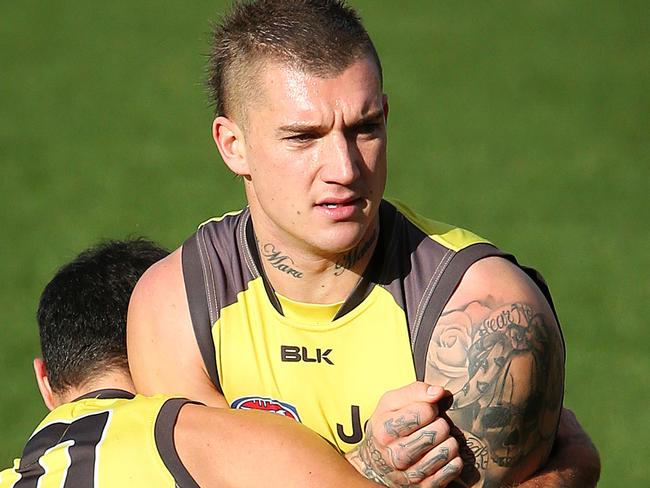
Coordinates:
321 37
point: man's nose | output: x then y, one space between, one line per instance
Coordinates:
341 161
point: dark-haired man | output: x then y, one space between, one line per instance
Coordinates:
321 295
99 433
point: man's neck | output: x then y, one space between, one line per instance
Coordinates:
109 381
310 277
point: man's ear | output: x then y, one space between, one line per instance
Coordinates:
44 383
229 138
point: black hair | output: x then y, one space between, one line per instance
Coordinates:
82 310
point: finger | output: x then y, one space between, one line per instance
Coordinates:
433 461
405 453
444 476
417 391
395 425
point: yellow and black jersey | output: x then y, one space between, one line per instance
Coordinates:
108 438
323 365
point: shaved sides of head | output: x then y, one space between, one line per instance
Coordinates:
319 37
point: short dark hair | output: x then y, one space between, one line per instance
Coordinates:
321 37
82 311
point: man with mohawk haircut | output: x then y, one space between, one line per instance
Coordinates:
321 295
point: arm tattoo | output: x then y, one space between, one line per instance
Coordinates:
372 457
280 261
504 366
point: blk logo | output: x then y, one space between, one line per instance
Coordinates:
296 354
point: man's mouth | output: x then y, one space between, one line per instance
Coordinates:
339 203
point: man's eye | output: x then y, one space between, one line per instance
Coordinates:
368 128
302 137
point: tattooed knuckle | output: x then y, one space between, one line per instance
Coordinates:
441 426
415 476
452 445
383 438
432 412
401 460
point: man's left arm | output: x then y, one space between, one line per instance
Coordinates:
574 461
497 348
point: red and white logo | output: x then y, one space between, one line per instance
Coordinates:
268 405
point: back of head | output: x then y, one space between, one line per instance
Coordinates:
320 37
82 311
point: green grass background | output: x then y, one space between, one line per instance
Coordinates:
527 122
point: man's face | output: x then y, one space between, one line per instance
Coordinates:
315 149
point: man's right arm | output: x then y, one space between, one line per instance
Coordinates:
163 353
238 448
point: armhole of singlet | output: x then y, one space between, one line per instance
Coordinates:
164 437
195 289
450 277
539 280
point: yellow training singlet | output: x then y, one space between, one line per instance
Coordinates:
325 366
106 439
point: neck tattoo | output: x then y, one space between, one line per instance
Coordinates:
280 261
350 258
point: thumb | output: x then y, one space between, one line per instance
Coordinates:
417 391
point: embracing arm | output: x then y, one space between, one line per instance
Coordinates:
163 354
498 349
238 448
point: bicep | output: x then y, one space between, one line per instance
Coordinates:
163 353
501 355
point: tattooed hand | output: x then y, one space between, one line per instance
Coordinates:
406 442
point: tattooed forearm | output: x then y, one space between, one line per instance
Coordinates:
354 457
504 366
350 258
280 261
372 457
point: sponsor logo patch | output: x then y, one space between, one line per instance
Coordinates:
296 354
267 405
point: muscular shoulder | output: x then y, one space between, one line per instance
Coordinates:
496 279
159 327
497 348
163 280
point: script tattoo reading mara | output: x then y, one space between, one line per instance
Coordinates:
280 261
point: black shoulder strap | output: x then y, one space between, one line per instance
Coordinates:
164 437
440 293
195 276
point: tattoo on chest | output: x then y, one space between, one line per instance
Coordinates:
352 257
280 261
